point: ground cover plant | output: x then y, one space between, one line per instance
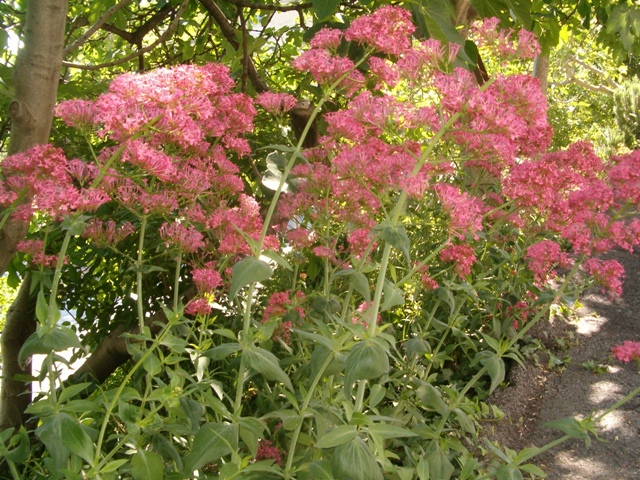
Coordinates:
350 326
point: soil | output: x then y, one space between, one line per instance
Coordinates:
537 393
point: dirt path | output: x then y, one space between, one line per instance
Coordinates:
536 395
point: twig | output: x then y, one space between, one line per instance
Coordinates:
162 38
101 21
273 8
230 35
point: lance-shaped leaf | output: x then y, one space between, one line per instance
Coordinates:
366 361
213 441
246 271
266 363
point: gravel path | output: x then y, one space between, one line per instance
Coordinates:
536 395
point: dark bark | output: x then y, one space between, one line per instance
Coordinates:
229 34
15 395
37 73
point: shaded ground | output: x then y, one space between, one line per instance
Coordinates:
537 394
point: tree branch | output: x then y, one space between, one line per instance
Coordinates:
136 37
229 34
273 8
142 51
112 352
101 21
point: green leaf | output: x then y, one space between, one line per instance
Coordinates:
440 467
72 390
431 399
75 438
266 363
366 361
318 359
276 164
290 418
246 271
439 20
354 461
386 430
393 296
490 8
396 236
42 308
146 465
325 8
571 427
50 432
222 351
213 441
279 259
423 470
376 395
465 422
337 436
445 295
358 282
416 347
521 9
113 466
56 340
495 369
20 453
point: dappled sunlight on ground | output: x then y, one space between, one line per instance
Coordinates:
603 392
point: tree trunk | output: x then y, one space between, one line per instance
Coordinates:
37 73
541 71
15 396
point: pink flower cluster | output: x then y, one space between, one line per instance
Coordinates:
465 211
503 42
278 305
267 451
627 351
544 257
107 233
207 279
363 315
388 30
35 250
607 273
276 102
462 255
44 174
186 103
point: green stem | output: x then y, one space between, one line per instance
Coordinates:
362 384
176 284
14 471
53 306
543 449
617 405
377 297
305 404
530 324
123 384
444 335
143 228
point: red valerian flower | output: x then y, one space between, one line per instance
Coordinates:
627 351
